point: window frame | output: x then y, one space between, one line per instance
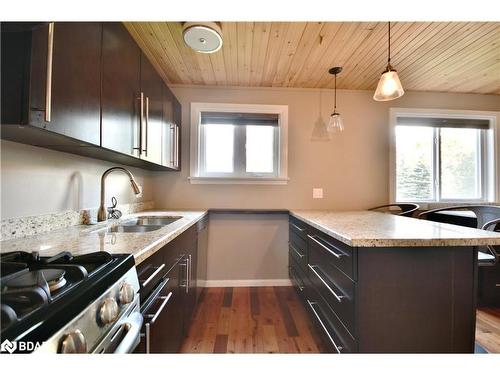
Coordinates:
240 176
488 150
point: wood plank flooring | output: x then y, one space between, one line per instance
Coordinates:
273 320
251 320
488 329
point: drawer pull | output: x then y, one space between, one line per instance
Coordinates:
160 309
338 348
339 298
298 228
300 255
336 255
148 280
292 271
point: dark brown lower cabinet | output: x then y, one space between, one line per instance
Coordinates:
163 317
385 300
168 281
191 280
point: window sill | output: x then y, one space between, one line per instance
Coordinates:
238 180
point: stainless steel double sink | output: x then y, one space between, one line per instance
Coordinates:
139 224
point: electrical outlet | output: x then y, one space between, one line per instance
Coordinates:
317 193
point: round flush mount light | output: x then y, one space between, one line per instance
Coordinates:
204 37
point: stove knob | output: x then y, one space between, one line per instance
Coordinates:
109 311
126 294
74 342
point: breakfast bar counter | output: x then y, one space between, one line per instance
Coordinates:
379 283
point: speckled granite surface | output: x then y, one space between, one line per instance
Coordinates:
374 229
31 225
83 239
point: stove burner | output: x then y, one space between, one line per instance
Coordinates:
56 284
54 278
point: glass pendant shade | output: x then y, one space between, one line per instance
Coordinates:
389 87
335 124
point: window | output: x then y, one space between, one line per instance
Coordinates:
236 143
443 159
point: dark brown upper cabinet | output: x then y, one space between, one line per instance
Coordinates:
60 65
121 59
171 129
87 89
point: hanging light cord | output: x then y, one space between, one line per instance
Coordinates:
389 49
335 96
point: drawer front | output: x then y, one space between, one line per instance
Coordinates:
163 319
336 289
334 334
327 249
150 273
298 279
297 227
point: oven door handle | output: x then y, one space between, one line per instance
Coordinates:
132 337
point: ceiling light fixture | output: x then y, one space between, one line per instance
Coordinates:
204 37
389 86
335 124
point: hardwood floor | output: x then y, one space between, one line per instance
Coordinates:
273 320
488 329
251 320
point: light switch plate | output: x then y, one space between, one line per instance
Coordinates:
317 193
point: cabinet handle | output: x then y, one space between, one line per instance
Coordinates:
176 146
336 255
296 251
48 84
299 285
141 115
147 128
188 272
298 228
172 142
148 280
338 348
160 309
337 297
148 337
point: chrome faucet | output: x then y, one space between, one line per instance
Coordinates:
101 214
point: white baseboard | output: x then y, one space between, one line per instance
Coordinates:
237 283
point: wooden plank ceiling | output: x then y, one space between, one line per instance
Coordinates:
429 56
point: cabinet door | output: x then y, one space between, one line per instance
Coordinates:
191 295
76 80
151 88
164 318
177 112
66 69
201 256
168 128
171 130
120 90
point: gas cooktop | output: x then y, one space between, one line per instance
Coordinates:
39 295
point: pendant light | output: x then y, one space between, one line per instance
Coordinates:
335 124
389 86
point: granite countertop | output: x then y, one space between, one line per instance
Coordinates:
82 239
375 229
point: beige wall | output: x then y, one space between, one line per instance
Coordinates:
36 181
352 167
244 247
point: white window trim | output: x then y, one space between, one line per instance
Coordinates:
491 139
194 162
